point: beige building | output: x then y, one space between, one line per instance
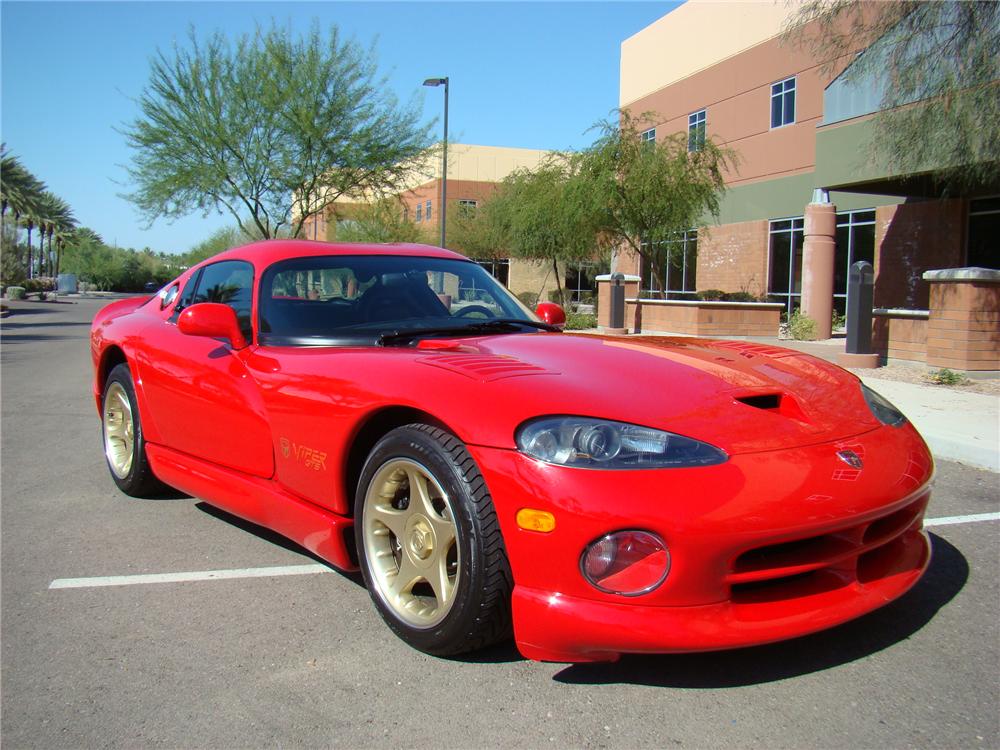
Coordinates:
473 174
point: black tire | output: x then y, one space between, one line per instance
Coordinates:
135 476
476 610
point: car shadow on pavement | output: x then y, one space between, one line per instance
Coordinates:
273 537
17 324
945 577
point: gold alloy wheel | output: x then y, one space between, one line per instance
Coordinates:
119 430
411 543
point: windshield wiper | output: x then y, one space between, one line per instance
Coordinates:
494 325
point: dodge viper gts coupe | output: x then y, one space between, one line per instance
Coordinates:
394 409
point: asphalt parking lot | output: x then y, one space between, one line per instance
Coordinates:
303 660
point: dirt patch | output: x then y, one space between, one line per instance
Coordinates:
921 376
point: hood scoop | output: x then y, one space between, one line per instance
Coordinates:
484 367
776 403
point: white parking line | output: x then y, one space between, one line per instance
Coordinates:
314 568
949 520
197 575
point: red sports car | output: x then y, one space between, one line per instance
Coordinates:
394 409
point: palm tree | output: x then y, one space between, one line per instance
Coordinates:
20 191
54 215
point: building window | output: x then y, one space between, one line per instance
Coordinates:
783 103
648 136
499 268
580 283
419 217
467 207
984 233
427 211
678 259
785 262
855 241
696 131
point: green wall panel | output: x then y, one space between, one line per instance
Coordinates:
787 196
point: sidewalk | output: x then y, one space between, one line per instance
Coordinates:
957 426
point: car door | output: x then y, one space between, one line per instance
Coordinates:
202 398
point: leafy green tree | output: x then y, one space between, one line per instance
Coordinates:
541 214
269 128
939 65
381 221
219 241
471 232
638 193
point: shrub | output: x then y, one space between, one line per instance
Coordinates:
15 292
40 284
580 321
711 295
528 299
944 376
738 297
802 327
556 296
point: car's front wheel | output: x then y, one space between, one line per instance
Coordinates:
429 544
124 444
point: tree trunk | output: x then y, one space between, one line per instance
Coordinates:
30 249
555 270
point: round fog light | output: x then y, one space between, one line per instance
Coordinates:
628 563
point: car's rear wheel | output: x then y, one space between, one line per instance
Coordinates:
429 544
124 445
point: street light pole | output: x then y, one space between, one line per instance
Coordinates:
444 154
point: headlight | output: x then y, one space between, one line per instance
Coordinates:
603 444
884 412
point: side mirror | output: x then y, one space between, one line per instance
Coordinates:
551 313
214 320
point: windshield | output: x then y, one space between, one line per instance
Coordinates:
356 299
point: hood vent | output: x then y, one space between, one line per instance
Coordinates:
769 401
778 403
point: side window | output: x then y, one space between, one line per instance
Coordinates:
229 282
186 295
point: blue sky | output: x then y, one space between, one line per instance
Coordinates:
531 75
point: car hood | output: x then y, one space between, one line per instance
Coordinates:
736 395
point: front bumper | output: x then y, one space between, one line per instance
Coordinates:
765 547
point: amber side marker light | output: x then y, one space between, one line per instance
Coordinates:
536 520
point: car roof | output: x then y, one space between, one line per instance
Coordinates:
266 252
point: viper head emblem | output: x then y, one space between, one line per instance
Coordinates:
850 458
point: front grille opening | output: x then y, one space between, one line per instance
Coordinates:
881 561
791 587
800 552
891 525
